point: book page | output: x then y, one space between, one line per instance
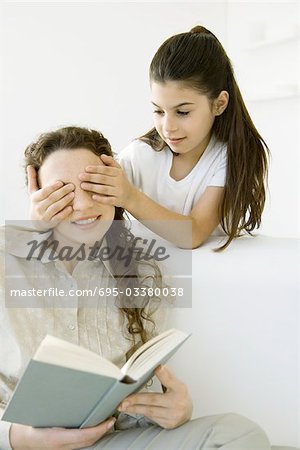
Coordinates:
56 351
144 348
150 354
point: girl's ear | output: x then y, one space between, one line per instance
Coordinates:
220 103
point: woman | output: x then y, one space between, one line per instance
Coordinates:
112 329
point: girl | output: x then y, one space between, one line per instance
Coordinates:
100 326
203 163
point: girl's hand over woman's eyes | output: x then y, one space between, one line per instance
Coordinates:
51 204
23 437
108 183
170 409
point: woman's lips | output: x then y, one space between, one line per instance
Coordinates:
85 224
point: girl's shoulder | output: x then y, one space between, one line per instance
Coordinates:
217 147
214 155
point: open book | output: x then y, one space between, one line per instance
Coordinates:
65 385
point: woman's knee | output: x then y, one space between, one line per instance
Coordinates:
232 431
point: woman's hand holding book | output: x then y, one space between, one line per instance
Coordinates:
24 437
169 409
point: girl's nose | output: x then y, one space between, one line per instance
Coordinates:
170 124
82 200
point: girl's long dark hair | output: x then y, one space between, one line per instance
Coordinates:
198 59
127 275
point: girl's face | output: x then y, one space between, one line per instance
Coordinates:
182 117
89 220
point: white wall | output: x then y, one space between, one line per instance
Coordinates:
87 64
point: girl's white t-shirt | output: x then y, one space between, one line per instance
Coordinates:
149 171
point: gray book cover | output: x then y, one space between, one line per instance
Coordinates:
49 395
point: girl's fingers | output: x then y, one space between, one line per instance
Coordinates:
64 191
110 161
103 170
59 205
44 193
97 178
47 210
32 179
62 215
99 188
52 196
113 201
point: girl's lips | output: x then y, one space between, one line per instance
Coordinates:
175 141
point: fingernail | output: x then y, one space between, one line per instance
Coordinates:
111 424
124 405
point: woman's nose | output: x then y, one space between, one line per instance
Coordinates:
82 200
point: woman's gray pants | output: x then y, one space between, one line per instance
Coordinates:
225 432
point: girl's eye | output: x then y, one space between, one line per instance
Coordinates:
158 112
183 113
